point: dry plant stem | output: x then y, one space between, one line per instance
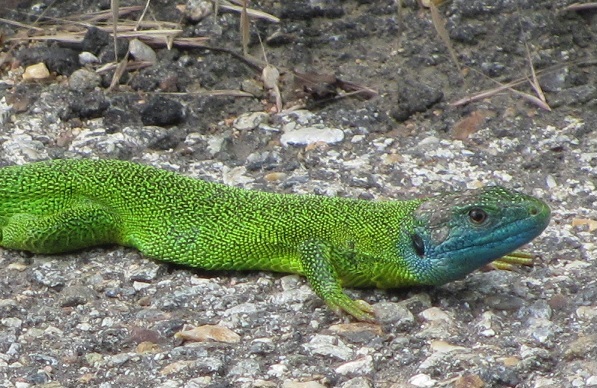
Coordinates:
22 25
251 12
535 82
493 92
244 29
207 93
532 99
580 7
487 93
152 38
100 16
129 66
509 85
271 77
115 4
91 19
142 15
119 72
440 28
42 15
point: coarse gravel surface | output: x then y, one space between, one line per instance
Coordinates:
108 317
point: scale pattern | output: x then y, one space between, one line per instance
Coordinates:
65 205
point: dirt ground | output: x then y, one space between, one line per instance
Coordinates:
371 104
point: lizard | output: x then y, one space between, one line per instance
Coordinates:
59 206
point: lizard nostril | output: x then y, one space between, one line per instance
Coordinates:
533 211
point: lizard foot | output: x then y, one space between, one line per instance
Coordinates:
510 261
359 309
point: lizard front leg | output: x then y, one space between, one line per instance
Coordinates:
318 268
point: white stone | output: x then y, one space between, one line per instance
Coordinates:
309 135
422 380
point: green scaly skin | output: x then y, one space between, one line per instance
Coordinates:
61 206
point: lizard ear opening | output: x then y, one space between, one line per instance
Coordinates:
418 245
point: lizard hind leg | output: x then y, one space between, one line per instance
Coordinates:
67 230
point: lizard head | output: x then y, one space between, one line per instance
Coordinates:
455 234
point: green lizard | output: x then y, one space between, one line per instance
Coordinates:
65 205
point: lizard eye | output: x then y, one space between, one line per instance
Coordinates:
477 216
418 244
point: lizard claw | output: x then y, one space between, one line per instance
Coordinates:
510 261
359 309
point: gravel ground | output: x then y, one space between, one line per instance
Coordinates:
108 317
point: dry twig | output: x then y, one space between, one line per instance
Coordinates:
440 28
580 7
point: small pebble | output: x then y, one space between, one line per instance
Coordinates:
36 72
83 80
86 58
361 366
142 52
250 120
